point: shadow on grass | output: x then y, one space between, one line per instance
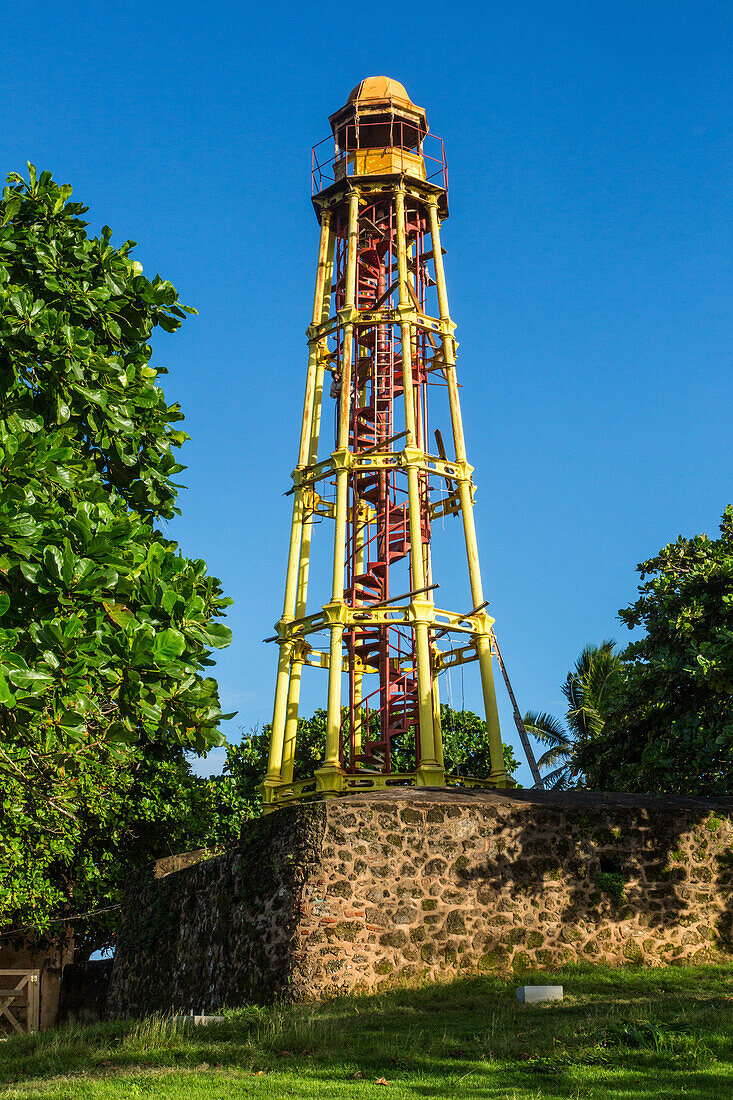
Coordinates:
470 1036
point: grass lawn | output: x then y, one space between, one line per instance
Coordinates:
625 1034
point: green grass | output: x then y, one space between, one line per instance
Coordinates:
625 1034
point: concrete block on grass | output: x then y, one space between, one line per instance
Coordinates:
533 994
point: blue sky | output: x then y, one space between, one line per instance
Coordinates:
588 265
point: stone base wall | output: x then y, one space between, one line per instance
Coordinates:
361 892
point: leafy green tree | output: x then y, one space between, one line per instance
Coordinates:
246 762
465 745
588 690
670 728
106 630
153 807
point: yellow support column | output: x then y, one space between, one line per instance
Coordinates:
359 522
482 640
330 777
321 303
436 715
274 777
429 773
359 519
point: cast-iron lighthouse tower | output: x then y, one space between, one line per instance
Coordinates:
380 341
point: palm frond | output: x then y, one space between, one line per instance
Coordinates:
588 721
545 727
591 653
556 755
572 689
599 676
586 687
559 780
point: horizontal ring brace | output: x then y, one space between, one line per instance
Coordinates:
307 476
398 315
337 193
419 611
362 781
446 506
450 658
318 659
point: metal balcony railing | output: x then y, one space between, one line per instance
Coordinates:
378 148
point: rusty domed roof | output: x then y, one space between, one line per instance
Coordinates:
373 99
379 87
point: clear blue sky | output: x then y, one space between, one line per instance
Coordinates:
588 263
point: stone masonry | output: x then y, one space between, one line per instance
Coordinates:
362 892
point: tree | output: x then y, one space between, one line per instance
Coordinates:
670 728
152 807
465 746
106 629
588 689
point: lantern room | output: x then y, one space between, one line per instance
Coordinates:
379 131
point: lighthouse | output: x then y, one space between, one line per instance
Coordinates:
377 467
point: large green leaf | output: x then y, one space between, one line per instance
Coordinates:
53 562
7 698
168 645
119 613
218 635
72 723
30 680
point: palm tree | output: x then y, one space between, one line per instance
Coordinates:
587 689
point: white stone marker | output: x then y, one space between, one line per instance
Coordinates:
531 994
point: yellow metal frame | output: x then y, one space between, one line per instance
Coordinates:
295 626
309 789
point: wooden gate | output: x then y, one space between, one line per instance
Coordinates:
20 998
